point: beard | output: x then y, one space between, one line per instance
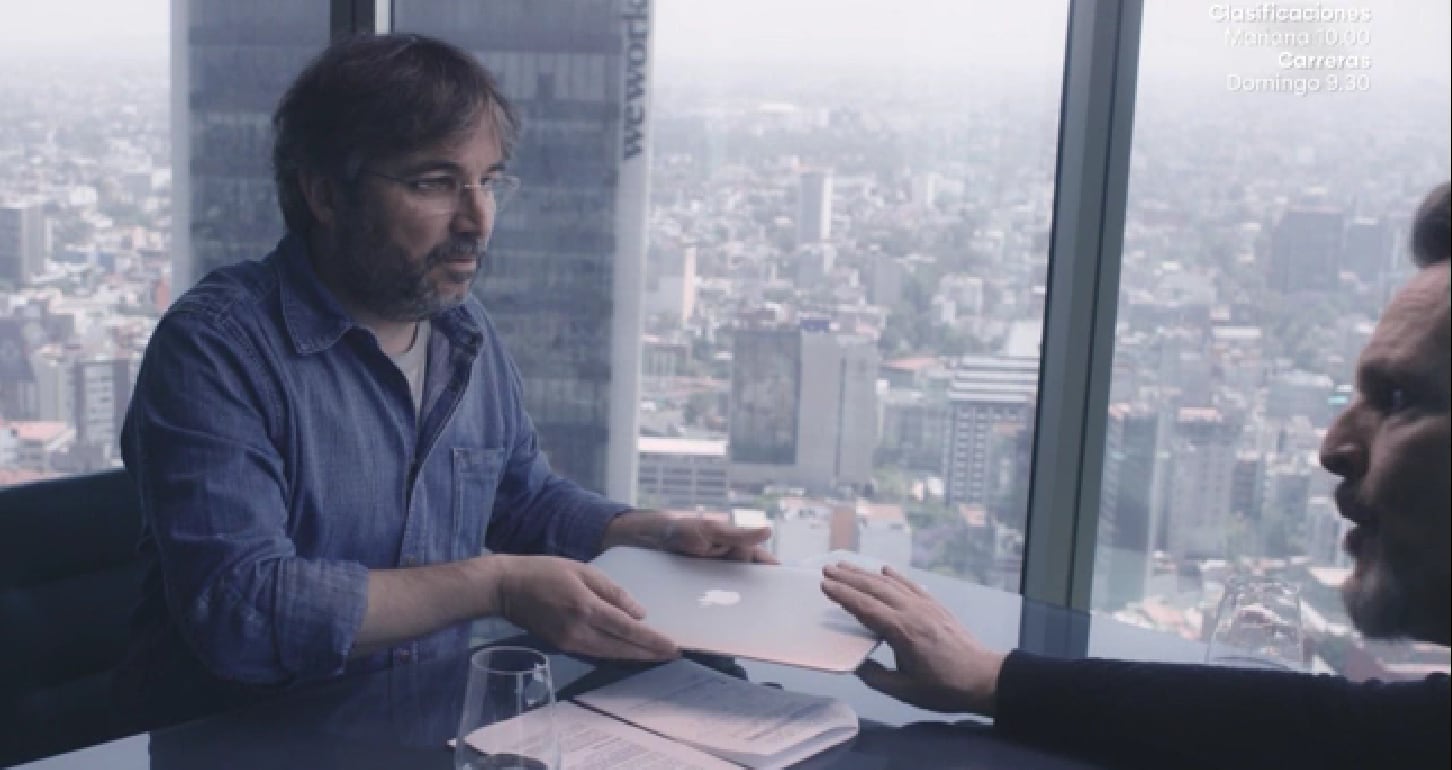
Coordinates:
1392 593
382 278
1376 600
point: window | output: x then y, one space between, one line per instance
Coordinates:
1267 212
837 250
104 218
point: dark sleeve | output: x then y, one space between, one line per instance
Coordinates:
196 442
1131 714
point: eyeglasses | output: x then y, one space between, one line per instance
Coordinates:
443 193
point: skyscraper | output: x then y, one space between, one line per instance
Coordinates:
814 222
22 242
1306 247
231 63
566 281
1126 507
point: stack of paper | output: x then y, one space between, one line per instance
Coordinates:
684 715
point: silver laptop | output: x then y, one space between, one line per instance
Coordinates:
759 611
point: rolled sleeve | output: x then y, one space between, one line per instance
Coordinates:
213 493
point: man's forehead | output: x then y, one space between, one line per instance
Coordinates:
1414 330
478 142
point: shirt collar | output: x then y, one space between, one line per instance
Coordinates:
315 320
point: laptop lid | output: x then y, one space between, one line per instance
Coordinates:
759 611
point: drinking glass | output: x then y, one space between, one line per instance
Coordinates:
508 719
1258 625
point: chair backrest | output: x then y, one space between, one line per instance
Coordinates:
70 576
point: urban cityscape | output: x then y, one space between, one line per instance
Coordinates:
822 299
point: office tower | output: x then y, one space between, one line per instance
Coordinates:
1247 485
101 392
765 375
565 285
1201 464
22 242
1123 557
670 282
683 474
1369 249
992 406
803 406
814 217
1306 247
17 374
231 63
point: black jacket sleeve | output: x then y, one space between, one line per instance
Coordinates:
1163 715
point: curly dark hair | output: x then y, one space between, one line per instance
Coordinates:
1432 228
373 97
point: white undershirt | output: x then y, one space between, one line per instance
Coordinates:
414 362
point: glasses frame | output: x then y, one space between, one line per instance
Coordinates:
497 190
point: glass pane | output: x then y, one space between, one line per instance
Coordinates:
134 156
1269 199
841 288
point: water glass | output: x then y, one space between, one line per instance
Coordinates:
1258 625
508 719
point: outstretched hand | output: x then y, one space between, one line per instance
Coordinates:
690 536
578 609
940 666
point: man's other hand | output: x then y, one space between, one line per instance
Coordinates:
940 666
691 536
577 608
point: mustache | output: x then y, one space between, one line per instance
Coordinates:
1348 500
456 248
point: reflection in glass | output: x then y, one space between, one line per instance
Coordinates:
508 722
1258 625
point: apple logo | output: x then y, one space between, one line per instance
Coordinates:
719 598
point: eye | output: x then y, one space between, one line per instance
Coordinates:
1397 399
434 184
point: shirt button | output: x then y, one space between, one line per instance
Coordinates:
403 656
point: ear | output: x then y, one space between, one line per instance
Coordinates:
322 196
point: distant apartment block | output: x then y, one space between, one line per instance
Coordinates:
991 403
683 474
803 407
670 280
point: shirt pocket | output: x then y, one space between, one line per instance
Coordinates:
476 477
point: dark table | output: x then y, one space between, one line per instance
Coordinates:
401 717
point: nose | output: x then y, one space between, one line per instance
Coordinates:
1343 453
475 214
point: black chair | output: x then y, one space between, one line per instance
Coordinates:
70 575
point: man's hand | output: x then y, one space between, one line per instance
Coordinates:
689 536
576 608
940 666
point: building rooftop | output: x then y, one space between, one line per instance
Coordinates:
695 447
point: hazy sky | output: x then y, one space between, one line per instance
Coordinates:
1408 36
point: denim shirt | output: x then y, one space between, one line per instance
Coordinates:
278 459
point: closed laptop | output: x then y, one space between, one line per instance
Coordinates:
759 611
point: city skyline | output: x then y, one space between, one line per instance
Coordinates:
1264 233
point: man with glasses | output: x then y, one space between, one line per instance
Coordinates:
335 466
1391 448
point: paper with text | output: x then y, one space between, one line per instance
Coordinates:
748 723
595 741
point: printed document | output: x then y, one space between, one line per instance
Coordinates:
747 723
590 740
